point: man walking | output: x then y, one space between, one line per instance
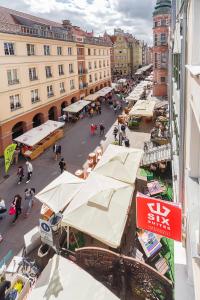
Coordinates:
17 202
62 165
29 171
29 194
101 128
20 174
115 132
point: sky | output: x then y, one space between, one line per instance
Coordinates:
133 16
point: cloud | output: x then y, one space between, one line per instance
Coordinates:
134 16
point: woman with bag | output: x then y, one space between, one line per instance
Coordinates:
29 194
16 204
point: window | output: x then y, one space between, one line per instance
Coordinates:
60 70
99 51
89 65
30 49
164 60
155 39
90 78
107 52
89 51
155 60
32 74
107 73
80 51
95 77
176 69
100 64
94 51
163 38
12 77
9 49
103 52
155 24
104 75
48 72
59 50
35 96
163 22
107 63
50 91
62 87
71 70
95 64
162 79
72 86
15 102
100 76
69 51
46 50
104 64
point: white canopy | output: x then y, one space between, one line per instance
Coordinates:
120 163
104 91
37 134
122 80
64 280
143 108
60 191
137 92
92 97
100 209
76 107
143 69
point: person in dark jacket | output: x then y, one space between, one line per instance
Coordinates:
62 165
4 286
20 174
17 204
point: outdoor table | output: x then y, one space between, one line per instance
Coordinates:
155 188
150 243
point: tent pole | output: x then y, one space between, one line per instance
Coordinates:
67 237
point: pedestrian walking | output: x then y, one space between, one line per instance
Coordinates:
62 165
20 174
17 202
16 155
3 208
56 151
115 132
115 108
92 129
28 196
29 171
101 129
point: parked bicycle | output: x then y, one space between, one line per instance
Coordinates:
29 269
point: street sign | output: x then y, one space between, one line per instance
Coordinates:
161 217
46 233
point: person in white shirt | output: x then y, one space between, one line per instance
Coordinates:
29 170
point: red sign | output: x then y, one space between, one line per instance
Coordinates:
161 217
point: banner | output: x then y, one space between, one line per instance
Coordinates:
8 155
46 233
158 216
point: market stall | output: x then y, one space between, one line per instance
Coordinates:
103 92
62 279
96 207
92 97
75 109
36 140
143 108
120 163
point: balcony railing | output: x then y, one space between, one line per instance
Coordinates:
50 94
83 86
33 78
14 81
49 75
62 91
15 106
82 71
34 100
61 73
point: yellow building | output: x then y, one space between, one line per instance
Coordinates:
137 54
43 69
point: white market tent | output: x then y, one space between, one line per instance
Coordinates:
76 107
136 94
37 134
120 163
144 108
104 91
122 80
60 191
62 279
92 97
143 69
100 209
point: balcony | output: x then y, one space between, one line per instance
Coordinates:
33 78
83 86
49 75
34 100
61 73
50 94
82 71
62 91
14 81
15 106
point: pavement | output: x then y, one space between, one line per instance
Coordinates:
76 144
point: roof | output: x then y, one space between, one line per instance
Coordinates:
62 279
143 108
162 7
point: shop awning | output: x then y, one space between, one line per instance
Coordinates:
143 108
62 279
120 163
60 191
104 91
100 209
76 107
92 97
143 69
37 134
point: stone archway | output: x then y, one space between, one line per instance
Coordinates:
105 84
38 119
91 91
18 129
73 100
62 106
96 89
53 113
101 86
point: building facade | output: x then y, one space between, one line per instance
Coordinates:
161 25
45 66
185 129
